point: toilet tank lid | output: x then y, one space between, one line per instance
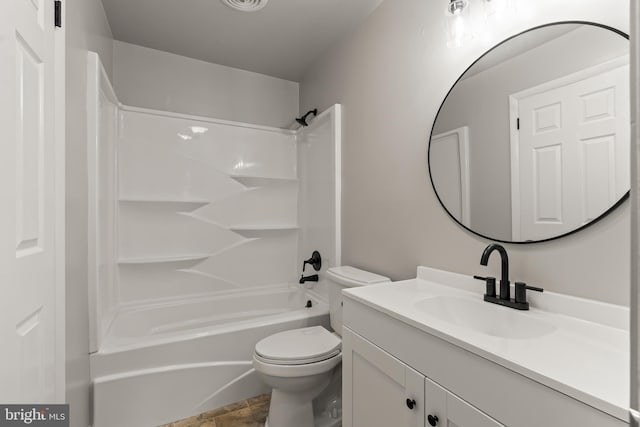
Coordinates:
350 276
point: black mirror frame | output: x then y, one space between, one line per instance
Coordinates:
598 219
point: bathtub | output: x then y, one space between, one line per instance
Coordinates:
168 361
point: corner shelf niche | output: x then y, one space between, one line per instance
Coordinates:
163 259
241 228
261 181
260 231
199 202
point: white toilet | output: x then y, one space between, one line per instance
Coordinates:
298 364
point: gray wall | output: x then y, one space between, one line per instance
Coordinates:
391 75
482 103
86 29
159 80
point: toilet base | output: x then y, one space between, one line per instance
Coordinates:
285 410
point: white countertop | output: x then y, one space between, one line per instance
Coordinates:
585 357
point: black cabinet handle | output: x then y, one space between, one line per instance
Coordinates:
433 420
411 403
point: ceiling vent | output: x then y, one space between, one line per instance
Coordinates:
246 5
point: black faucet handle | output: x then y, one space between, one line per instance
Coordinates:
491 285
315 261
521 291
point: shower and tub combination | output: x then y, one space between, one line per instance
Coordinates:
199 229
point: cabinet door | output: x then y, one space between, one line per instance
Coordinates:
443 409
378 390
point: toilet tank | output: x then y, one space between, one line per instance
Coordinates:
343 278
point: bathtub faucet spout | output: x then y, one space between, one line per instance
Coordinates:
304 278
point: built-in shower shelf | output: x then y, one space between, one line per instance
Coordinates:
263 227
175 201
163 259
261 181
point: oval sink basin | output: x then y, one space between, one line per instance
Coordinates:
484 317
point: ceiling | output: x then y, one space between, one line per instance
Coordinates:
281 40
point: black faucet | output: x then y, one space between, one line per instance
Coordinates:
313 278
504 280
315 261
504 298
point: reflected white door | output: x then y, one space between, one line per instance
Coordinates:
27 217
450 174
573 154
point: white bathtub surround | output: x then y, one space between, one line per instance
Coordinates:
102 183
319 199
196 252
166 322
206 206
152 371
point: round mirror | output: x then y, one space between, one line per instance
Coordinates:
532 142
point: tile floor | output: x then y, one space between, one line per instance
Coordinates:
247 413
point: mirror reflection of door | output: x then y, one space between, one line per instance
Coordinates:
570 153
450 174
567 166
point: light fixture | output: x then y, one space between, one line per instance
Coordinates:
463 24
245 5
456 7
458 31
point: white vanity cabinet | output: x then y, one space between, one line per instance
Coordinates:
381 391
388 358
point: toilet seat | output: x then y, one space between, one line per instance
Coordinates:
298 347
298 353
293 371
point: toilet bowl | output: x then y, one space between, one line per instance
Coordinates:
298 364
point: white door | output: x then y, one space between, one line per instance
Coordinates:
28 214
573 154
446 409
378 389
449 168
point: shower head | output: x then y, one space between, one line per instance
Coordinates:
303 120
245 5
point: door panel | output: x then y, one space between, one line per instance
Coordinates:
27 161
28 151
573 145
376 387
547 183
597 156
372 390
452 411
